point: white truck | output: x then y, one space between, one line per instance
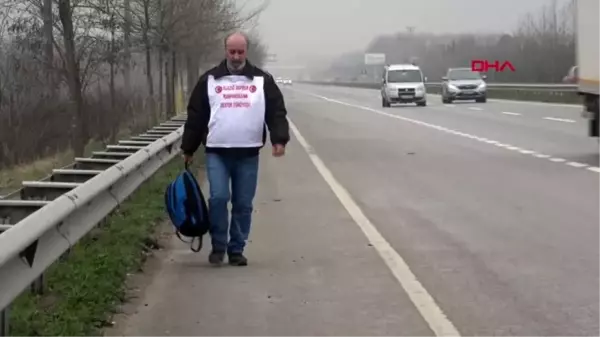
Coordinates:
587 46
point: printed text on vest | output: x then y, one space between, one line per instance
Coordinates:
237 115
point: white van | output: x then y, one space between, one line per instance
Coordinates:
403 83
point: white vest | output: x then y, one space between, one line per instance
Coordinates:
237 117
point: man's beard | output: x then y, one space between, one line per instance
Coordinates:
236 65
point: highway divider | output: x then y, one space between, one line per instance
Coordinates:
551 93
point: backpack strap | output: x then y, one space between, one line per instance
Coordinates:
181 238
195 250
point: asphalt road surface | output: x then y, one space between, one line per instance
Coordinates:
468 218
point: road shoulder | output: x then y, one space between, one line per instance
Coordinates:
311 272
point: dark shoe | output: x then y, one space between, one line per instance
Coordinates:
238 259
216 257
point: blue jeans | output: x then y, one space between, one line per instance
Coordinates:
243 174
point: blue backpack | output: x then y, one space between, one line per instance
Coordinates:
187 208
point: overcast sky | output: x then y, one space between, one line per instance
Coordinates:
297 29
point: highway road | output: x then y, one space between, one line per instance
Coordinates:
458 193
469 218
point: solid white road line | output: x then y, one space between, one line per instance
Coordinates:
560 120
423 301
511 113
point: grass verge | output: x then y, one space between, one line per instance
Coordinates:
84 290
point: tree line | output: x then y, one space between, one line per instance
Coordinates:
541 49
77 71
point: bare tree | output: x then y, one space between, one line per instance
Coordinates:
257 51
76 71
73 76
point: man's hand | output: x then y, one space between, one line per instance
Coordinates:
187 159
278 150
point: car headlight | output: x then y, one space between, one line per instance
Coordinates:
420 88
481 87
452 87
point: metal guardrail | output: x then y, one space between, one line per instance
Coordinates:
549 92
44 219
525 86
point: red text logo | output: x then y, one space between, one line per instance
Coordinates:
484 66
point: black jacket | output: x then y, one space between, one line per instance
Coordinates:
198 110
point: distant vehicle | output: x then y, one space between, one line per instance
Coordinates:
463 84
403 83
284 81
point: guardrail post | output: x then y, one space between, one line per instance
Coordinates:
37 287
102 223
4 324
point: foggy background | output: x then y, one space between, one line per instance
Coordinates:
329 37
323 29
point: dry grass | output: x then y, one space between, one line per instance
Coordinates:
10 179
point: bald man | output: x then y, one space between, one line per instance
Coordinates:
227 112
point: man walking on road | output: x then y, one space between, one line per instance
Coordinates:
227 112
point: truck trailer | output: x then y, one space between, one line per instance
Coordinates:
587 46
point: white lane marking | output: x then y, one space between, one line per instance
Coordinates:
423 301
560 105
475 108
455 132
498 100
576 164
450 105
511 113
560 119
